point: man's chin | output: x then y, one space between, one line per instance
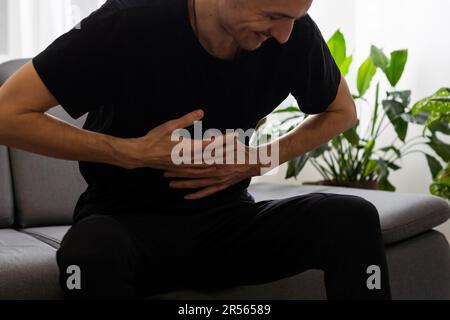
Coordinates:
251 47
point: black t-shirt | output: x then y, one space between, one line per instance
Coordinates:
136 64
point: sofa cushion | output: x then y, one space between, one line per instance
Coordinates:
420 268
28 268
402 215
50 235
46 189
9 67
6 196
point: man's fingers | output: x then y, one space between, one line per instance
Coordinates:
190 173
192 184
222 140
185 121
196 166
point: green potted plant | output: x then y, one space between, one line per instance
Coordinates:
355 158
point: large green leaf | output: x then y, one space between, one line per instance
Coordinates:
352 136
434 165
385 184
404 97
441 185
345 66
379 58
370 168
366 73
396 67
438 102
421 118
369 148
441 148
338 49
442 126
394 110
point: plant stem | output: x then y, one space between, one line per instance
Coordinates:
375 113
380 123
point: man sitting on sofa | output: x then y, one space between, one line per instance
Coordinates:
146 225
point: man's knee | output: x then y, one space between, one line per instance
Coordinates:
354 210
350 217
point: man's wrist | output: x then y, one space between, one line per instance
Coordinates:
124 153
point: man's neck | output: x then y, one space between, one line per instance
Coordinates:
212 36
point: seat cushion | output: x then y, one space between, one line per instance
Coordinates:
28 268
6 196
46 189
402 215
50 235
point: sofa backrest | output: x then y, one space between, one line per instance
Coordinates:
6 195
45 189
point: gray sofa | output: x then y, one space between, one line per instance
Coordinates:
38 194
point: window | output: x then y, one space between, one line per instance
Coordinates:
29 26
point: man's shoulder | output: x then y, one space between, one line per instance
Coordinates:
141 5
305 28
305 33
133 18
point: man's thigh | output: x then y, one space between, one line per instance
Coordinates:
266 241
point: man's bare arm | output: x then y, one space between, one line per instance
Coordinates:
316 130
24 124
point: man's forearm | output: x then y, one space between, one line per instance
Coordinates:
312 133
46 135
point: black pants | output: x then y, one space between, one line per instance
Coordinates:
134 255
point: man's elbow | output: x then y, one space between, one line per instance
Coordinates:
353 114
346 112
